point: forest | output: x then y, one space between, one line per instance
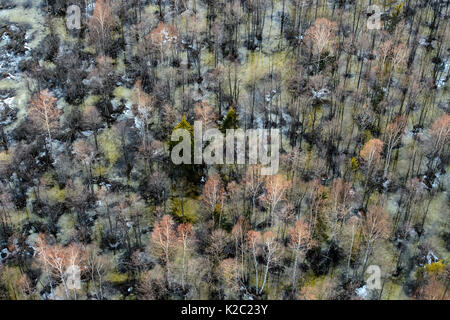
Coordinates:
92 207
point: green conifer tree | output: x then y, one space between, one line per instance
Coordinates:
230 122
183 124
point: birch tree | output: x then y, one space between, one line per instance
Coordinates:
164 239
44 113
300 241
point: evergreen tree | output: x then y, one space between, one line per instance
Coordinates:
230 122
183 124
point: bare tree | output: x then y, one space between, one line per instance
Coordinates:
85 153
56 259
205 113
254 183
44 113
276 186
375 226
96 267
143 107
92 120
371 154
164 240
300 241
270 249
321 36
253 243
213 194
239 232
185 238
101 25
440 135
392 137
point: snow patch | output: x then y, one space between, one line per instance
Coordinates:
362 292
